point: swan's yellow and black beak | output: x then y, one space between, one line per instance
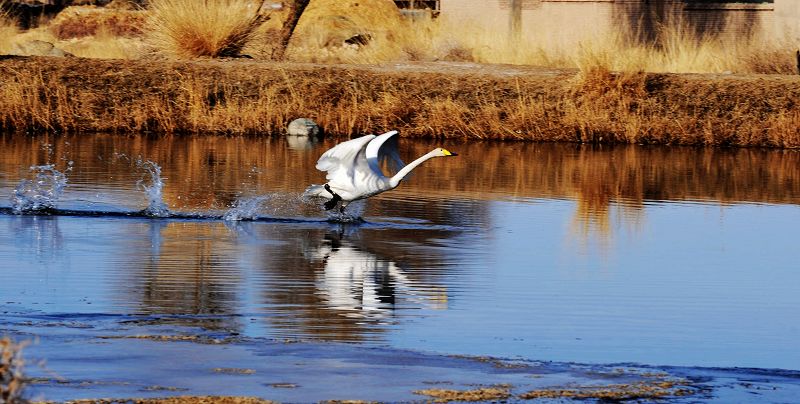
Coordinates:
448 153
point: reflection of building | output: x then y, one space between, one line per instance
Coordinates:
564 22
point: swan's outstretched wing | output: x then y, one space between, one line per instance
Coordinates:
384 147
341 161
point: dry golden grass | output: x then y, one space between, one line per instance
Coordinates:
212 28
424 100
12 381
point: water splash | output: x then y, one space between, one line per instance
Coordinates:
155 202
352 213
246 208
42 192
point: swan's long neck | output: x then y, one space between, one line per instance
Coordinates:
395 180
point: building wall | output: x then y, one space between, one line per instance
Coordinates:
565 22
551 23
786 20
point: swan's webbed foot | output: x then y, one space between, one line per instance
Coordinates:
332 203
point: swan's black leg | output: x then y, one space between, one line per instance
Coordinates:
332 203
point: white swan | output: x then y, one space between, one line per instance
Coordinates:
353 169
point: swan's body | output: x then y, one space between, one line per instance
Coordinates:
354 172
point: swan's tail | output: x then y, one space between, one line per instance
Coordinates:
317 191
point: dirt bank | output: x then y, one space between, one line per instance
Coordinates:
454 100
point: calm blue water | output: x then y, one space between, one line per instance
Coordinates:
657 256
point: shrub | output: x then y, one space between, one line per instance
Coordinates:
203 28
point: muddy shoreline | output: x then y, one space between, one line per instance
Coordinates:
443 100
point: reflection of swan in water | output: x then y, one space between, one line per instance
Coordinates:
354 172
362 285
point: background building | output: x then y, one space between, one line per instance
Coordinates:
562 22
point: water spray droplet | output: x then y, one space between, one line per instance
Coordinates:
41 193
246 208
155 203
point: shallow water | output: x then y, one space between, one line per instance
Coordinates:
653 256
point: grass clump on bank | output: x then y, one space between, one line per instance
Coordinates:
12 381
210 28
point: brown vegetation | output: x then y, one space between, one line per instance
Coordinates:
212 28
645 390
481 394
614 392
433 100
12 381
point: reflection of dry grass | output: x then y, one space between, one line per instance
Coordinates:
601 179
12 381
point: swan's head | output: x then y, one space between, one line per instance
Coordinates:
440 152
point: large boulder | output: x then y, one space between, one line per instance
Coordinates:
304 127
327 23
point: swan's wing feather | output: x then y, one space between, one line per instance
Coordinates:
383 148
341 161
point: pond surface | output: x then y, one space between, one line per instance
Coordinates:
656 256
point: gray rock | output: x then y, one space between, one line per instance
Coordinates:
37 48
304 127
